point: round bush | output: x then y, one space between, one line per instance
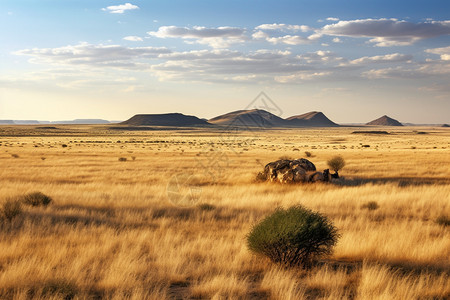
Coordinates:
36 199
293 237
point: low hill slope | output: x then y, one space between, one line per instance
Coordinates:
251 118
311 119
385 121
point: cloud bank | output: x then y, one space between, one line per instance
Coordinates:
388 32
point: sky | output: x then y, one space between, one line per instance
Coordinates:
353 60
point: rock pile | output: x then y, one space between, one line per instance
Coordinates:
293 171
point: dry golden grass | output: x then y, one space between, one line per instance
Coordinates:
112 232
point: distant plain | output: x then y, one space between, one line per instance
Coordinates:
117 230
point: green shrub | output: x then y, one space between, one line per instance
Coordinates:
36 199
10 209
336 163
293 237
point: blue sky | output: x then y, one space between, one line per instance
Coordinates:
353 60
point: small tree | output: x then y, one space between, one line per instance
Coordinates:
336 163
293 237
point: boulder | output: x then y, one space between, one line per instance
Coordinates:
291 171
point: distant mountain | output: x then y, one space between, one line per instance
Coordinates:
311 119
26 122
82 121
7 122
445 125
171 119
252 118
385 121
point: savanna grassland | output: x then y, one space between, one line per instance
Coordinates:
120 227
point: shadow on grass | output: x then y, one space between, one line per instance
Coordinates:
400 181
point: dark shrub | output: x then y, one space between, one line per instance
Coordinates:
308 154
260 177
36 199
443 221
293 237
206 206
122 159
10 209
371 205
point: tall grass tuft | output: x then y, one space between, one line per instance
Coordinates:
10 209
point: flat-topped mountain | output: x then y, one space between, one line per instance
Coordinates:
385 121
253 118
313 119
171 119
7 122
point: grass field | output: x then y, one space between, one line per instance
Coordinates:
124 229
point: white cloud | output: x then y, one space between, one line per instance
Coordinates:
320 57
388 58
120 9
260 35
301 76
388 32
332 19
444 52
337 40
289 40
133 38
283 27
94 55
219 37
437 69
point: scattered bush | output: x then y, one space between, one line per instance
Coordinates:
11 209
206 206
293 237
443 221
336 163
36 199
15 155
308 154
371 205
64 145
122 159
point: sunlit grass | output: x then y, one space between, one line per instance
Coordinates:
111 231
